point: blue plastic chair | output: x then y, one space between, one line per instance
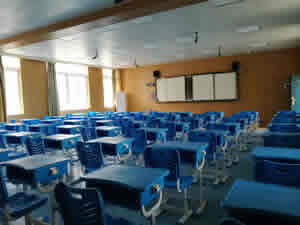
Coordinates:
90 156
167 157
171 133
281 173
230 221
35 145
83 207
18 205
88 133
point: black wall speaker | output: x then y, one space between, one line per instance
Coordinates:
236 67
156 74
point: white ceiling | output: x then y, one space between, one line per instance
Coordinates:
17 16
169 36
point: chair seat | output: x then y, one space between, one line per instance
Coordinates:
23 203
116 221
185 181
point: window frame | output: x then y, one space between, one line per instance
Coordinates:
69 76
112 87
16 69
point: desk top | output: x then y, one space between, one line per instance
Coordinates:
216 132
69 126
14 124
276 153
186 146
61 137
259 198
110 140
104 121
21 134
35 161
107 128
132 177
51 120
74 120
41 125
151 129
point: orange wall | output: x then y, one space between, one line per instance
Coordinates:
262 76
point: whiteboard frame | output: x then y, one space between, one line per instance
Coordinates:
199 101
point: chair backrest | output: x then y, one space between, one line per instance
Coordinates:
140 141
89 123
171 133
165 158
88 133
3 190
203 136
282 173
35 145
80 206
90 155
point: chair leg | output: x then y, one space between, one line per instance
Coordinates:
5 216
187 211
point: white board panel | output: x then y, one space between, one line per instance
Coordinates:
162 90
226 86
176 89
203 87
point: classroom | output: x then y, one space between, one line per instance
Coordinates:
138 112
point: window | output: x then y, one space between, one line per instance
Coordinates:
72 86
12 81
108 88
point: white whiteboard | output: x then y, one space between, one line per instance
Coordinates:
226 86
203 87
176 89
162 90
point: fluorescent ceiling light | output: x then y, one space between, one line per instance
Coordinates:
222 3
247 29
144 19
258 44
184 40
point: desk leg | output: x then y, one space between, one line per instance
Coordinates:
202 202
53 208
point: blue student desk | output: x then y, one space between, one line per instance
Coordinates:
38 171
258 203
138 123
15 127
281 155
73 122
98 118
19 138
69 129
130 187
44 129
115 146
155 134
61 141
100 123
108 131
31 121
53 121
